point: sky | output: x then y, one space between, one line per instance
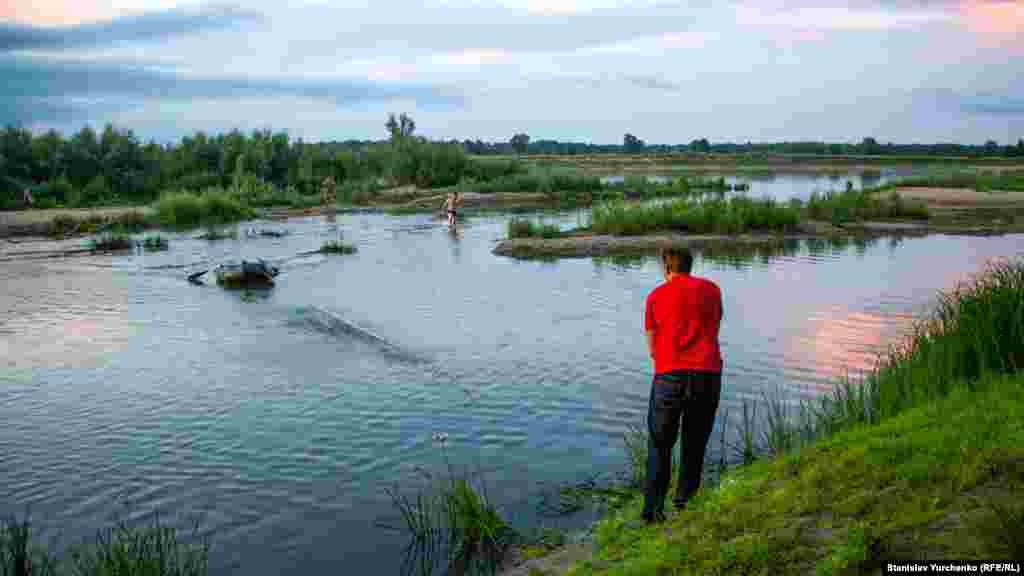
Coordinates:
906 71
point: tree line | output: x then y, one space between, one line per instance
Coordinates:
113 166
522 144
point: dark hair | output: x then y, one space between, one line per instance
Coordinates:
677 260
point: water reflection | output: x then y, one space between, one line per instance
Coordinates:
285 415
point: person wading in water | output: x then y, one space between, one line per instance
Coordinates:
681 320
451 204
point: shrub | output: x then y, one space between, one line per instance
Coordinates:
155 243
337 247
187 210
112 241
724 216
522 228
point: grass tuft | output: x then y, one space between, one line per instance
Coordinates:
155 242
523 228
112 241
152 550
736 215
183 210
337 247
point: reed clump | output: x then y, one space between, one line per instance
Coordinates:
150 550
337 247
213 206
524 228
853 205
735 215
112 241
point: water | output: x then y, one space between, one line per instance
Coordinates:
279 417
784 186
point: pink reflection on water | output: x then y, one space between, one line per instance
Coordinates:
838 343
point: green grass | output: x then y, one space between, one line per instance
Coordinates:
112 241
910 487
720 216
155 242
523 228
852 205
183 210
453 527
337 247
214 233
979 180
546 182
921 459
151 550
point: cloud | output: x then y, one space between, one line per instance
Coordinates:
149 27
838 18
482 28
996 104
652 83
34 91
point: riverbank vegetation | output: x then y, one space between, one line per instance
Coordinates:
151 550
920 459
337 247
735 215
853 205
978 180
113 168
525 228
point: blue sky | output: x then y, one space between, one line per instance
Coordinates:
668 72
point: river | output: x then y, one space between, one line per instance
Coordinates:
278 418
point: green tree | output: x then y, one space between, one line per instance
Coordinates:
632 144
869 146
520 142
400 128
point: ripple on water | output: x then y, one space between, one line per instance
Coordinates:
128 385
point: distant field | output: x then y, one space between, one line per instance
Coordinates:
741 161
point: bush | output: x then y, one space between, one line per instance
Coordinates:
852 205
95 192
186 210
112 241
731 216
155 243
521 228
337 247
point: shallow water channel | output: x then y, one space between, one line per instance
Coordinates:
277 418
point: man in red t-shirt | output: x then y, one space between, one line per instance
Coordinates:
681 320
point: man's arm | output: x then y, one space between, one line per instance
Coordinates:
650 343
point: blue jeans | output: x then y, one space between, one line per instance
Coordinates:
693 397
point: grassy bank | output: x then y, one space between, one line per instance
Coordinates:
941 481
978 180
921 459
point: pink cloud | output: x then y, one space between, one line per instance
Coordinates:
996 24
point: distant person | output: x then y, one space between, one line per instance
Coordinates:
681 320
451 205
26 198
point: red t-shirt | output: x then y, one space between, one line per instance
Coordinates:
684 313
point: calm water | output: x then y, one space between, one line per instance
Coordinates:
279 417
786 186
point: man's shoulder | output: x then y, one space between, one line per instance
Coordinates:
708 284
